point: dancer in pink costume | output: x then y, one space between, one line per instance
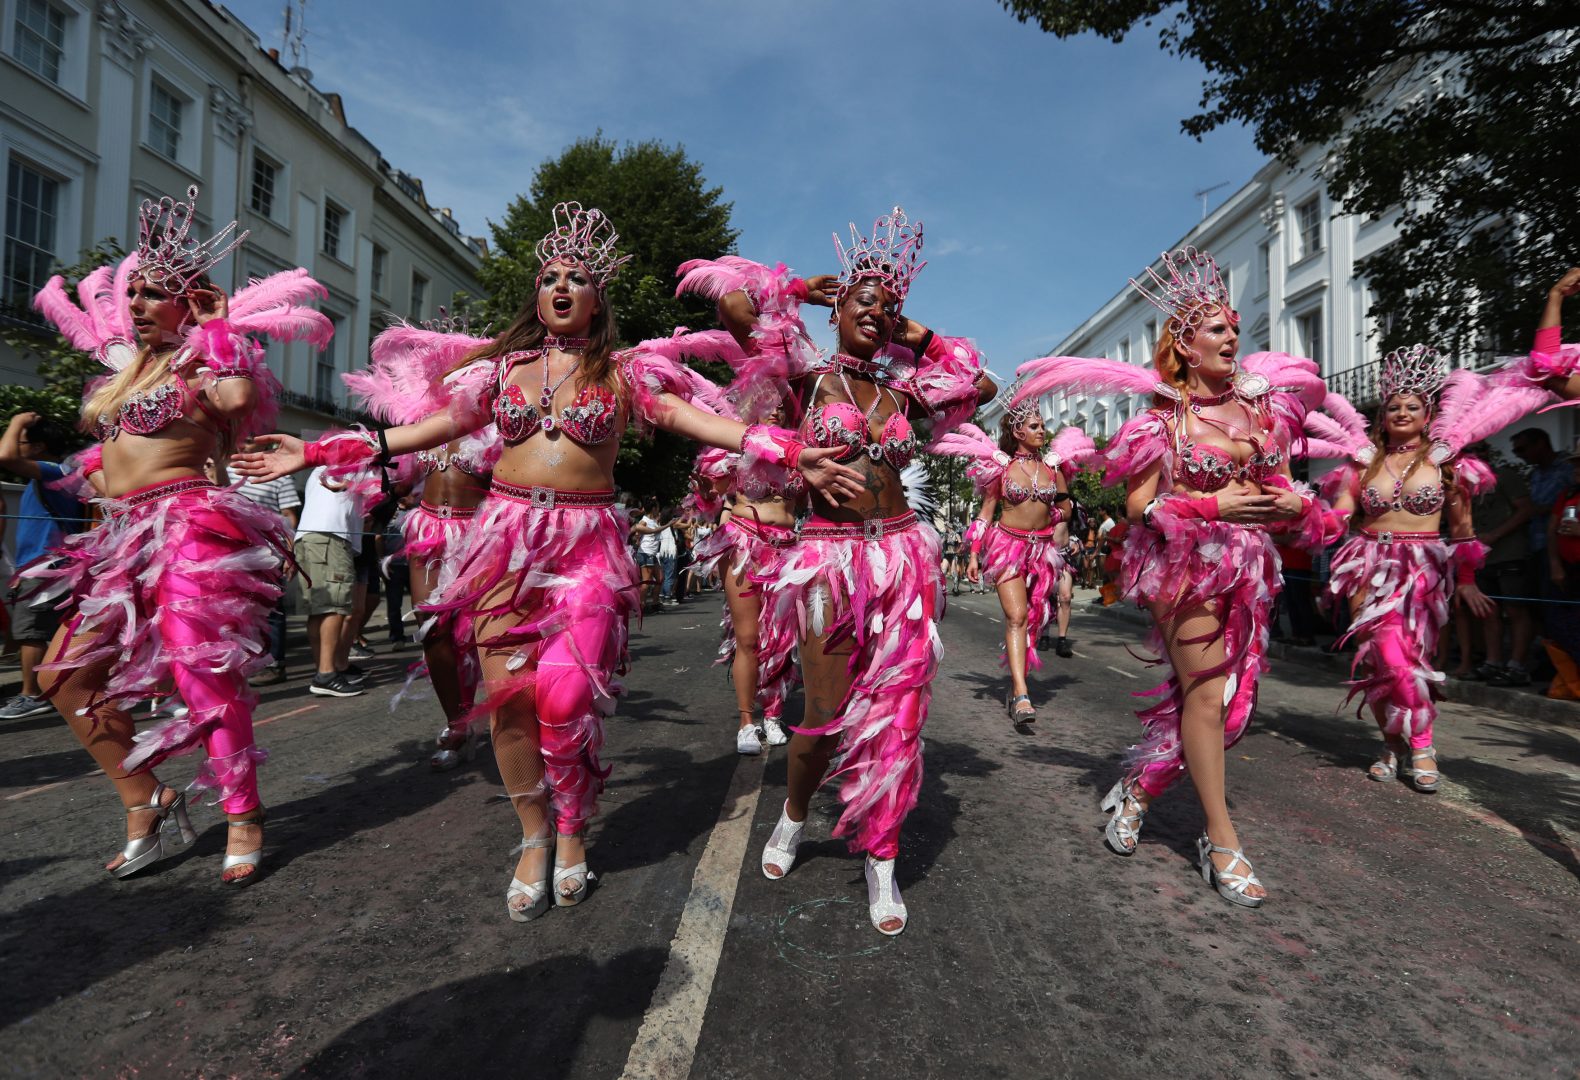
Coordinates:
172 593
758 528
1551 363
1207 474
1395 572
544 586
1025 479
401 386
862 583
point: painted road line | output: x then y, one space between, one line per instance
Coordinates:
1119 671
667 1041
100 772
1082 655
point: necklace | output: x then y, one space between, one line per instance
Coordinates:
1406 448
874 450
546 398
566 344
1198 403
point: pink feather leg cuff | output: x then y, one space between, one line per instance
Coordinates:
975 532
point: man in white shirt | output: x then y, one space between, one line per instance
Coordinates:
646 532
327 539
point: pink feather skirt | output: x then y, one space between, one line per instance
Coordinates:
434 537
877 586
1406 583
740 545
544 580
174 592
1032 556
1188 563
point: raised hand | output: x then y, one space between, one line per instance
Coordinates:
207 304
820 290
835 482
285 456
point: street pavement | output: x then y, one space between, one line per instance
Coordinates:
1405 934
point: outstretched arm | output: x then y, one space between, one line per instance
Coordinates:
288 454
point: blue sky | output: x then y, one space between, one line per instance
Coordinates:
1046 171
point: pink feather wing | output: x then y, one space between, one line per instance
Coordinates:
1084 374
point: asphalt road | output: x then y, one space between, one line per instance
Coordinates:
1405 934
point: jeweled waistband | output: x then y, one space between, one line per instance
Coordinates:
449 511
154 492
1027 534
547 498
772 535
1387 537
871 529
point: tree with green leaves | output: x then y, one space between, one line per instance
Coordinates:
665 213
1464 115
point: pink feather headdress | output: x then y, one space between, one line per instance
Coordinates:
891 256
1473 408
167 253
102 325
584 237
1192 288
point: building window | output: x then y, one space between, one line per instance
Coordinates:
164 121
40 42
1309 328
265 176
1151 344
419 295
1308 228
324 370
1264 268
1122 351
381 266
32 217
334 224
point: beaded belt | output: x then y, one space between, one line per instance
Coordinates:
1402 537
547 498
1036 536
154 492
871 529
773 535
449 511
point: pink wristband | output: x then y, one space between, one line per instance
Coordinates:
340 448
798 289
1204 507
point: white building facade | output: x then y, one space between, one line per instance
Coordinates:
1288 256
104 103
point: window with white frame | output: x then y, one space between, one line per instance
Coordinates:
1264 269
1126 405
334 228
265 185
419 295
1150 345
1122 351
32 220
165 107
39 38
1380 325
1308 328
1308 228
381 268
324 369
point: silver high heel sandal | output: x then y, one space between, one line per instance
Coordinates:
1423 780
782 844
447 757
253 859
1386 767
1231 886
883 896
1123 831
143 852
537 894
578 873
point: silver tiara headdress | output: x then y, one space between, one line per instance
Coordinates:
891 256
449 324
166 251
1021 412
584 237
1419 370
1191 290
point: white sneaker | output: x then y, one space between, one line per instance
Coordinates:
774 732
748 742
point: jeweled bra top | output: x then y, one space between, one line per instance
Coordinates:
1014 492
153 410
1207 468
843 424
590 419
432 461
1424 501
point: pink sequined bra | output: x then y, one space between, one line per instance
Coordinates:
432 461
1207 468
1424 501
589 420
151 411
1014 492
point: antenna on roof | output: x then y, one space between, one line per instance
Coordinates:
1202 194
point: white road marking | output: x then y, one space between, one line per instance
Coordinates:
1119 671
1082 655
667 1042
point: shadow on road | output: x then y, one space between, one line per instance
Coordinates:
530 1022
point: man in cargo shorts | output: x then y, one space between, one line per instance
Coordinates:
328 536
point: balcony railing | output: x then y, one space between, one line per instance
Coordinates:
326 406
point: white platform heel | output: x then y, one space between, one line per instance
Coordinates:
537 893
779 854
883 897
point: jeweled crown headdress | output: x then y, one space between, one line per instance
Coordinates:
447 323
891 255
1020 412
1191 289
1419 370
166 252
584 237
